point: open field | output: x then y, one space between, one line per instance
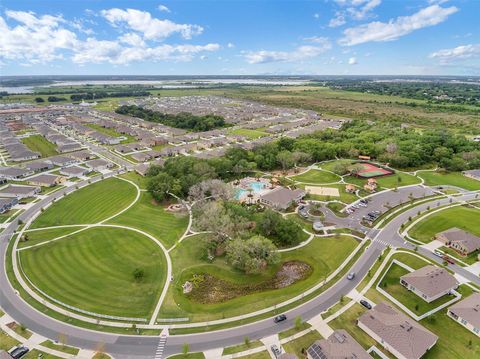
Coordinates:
35 237
248 133
111 132
449 178
93 270
460 217
88 205
324 255
397 179
40 144
316 177
140 181
154 219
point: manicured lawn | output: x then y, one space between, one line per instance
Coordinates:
154 219
188 356
40 144
470 259
88 205
259 355
35 237
248 133
289 332
111 132
133 176
324 255
242 347
449 178
296 346
461 217
35 354
391 284
60 347
316 177
93 270
330 165
6 341
397 179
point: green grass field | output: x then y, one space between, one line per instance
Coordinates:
298 345
152 218
40 144
111 132
397 179
449 178
460 217
88 205
330 165
93 270
316 177
324 255
248 133
6 341
35 237
140 181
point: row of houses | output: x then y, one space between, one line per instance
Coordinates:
17 151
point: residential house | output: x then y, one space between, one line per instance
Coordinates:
141 156
61 161
7 203
81 155
46 180
281 197
38 166
19 192
142 169
467 313
474 174
339 345
460 240
429 282
74 171
14 173
99 165
396 332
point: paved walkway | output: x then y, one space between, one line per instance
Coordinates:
321 326
269 341
435 244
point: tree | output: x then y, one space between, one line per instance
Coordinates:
340 168
298 322
138 274
285 159
39 99
160 185
185 348
252 255
214 188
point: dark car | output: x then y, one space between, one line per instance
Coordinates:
276 351
19 352
366 304
280 318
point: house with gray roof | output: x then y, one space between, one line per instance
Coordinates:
339 345
14 173
281 197
396 332
467 313
99 164
462 241
46 180
38 166
7 203
429 282
74 171
474 174
19 192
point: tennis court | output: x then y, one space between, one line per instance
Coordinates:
368 171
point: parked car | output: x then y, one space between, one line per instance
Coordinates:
276 351
438 253
19 352
280 318
449 259
366 304
351 275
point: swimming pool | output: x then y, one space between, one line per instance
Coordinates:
255 186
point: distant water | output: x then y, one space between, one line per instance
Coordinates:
17 90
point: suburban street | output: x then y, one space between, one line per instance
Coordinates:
127 346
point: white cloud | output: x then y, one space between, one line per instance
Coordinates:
299 54
151 28
163 8
79 25
352 61
35 39
132 39
457 53
362 12
230 45
324 41
316 15
338 20
395 28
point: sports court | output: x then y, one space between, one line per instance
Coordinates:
369 170
323 191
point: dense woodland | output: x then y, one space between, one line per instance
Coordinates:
401 148
181 120
98 95
434 92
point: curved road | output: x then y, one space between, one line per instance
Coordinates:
128 346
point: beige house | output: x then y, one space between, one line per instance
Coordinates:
339 345
396 332
46 180
467 313
429 282
460 240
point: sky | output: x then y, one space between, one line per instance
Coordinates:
228 37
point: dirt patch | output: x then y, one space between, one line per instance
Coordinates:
210 289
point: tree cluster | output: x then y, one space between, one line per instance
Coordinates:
103 94
183 120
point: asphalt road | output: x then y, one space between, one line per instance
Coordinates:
137 347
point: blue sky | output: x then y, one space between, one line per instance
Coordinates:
324 37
